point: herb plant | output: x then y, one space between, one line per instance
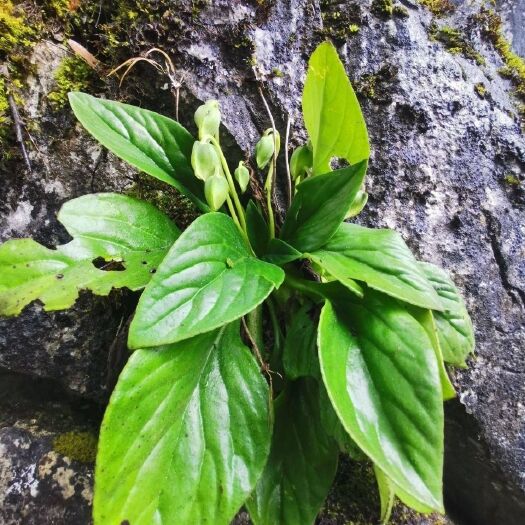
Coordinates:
261 351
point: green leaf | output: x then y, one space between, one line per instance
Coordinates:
258 231
381 374
332 115
381 259
320 205
280 253
207 279
155 144
127 233
454 327
300 346
302 462
186 434
386 494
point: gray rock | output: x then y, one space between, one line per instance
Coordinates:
441 164
39 483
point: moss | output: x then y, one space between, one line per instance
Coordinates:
4 111
79 446
376 86
401 11
167 199
511 180
455 42
514 66
15 32
383 8
480 90
439 8
73 74
341 20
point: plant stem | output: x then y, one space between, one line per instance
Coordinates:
268 188
229 178
254 321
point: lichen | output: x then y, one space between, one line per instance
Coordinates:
73 74
455 42
439 8
79 446
513 65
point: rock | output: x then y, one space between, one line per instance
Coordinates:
39 483
513 13
446 171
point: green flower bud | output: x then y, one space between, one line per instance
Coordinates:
264 149
216 190
204 160
242 176
208 119
301 162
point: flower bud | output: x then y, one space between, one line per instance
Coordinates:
301 162
208 119
204 160
264 149
242 176
216 191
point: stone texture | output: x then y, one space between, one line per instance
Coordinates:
441 161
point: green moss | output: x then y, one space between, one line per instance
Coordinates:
15 32
376 86
512 180
514 66
455 42
4 111
480 90
383 8
79 446
401 11
439 7
341 20
73 74
276 72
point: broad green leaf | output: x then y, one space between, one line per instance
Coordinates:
380 258
280 253
257 227
320 205
332 115
386 494
302 462
207 279
186 434
155 144
454 327
381 374
128 234
300 346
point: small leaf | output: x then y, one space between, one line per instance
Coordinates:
320 205
381 374
280 253
380 258
155 144
386 494
186 434
331 111
302 462
106 226
300 346
454 327
207 279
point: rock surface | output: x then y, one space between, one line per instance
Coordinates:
447 170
